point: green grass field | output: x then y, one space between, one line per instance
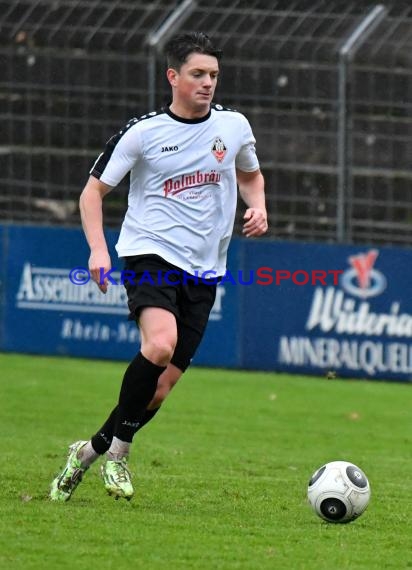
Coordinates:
220 474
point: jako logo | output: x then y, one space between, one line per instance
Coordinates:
170 148
363 280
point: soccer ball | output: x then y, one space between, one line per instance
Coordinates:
339 492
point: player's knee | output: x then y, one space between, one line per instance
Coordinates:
159 350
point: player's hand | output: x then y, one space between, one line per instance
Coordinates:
256 223
99 264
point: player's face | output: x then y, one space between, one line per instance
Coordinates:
194 84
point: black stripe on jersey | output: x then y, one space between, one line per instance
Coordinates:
102 160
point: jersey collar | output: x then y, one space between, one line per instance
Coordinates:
187 121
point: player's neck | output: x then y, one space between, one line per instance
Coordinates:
188 112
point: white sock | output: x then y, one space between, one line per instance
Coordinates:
87 454
118 449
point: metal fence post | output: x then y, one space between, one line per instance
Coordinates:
344 142
156 40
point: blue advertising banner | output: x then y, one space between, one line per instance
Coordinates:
334 310
299 308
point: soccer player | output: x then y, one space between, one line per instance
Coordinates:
185 163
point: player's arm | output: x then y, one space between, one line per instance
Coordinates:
91 211
252 190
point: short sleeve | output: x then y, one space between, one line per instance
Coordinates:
246 159
120 155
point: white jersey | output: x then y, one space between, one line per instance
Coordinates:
183 191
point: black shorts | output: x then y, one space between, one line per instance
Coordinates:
154 282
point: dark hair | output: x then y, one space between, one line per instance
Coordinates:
179 47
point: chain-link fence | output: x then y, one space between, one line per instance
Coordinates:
74 71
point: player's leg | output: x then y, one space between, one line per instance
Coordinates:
189 337
158 332
115 473
101 440
159 335
187 343
82 454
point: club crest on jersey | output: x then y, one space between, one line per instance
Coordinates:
219 149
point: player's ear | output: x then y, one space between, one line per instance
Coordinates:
171 75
